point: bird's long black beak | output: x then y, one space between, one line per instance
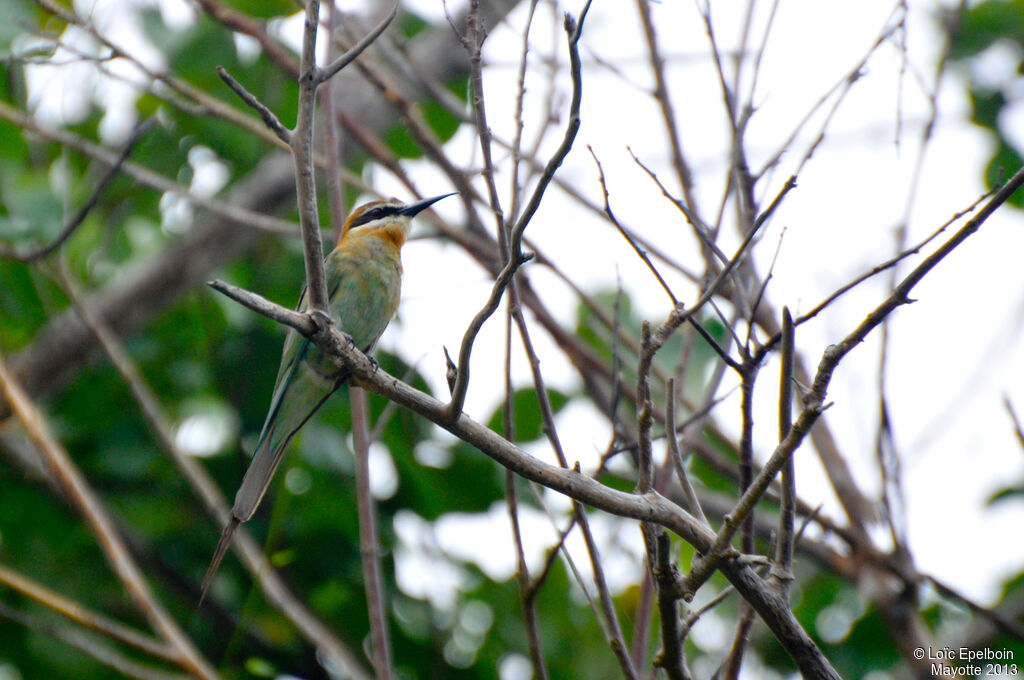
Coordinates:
418 206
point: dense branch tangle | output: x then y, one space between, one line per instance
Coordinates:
647 503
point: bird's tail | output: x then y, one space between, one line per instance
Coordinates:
218 555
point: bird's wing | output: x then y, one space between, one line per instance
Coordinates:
305 380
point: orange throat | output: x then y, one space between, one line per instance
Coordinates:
393 233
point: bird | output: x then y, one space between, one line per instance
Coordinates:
364 278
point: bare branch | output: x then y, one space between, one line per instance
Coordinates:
815 401
270 119
75 611
264 307
94 513
332 69
782 570
677 457
611 216
516 259
670 659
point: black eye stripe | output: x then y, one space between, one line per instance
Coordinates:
375 214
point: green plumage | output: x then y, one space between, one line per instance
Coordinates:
364 284
364 279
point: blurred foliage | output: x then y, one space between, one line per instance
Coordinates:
206 354
988 35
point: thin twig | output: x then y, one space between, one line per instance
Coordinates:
878 269
527 592
734 660
574 31
644 419
668 115
1006 624
815 400
270 119
676 455
702 231
613 630
330 70
643 618
517 116
843 87
611 217
78 218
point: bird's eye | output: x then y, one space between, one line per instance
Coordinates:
372 214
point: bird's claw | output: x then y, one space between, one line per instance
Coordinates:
374 364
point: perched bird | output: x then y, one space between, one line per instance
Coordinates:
364 278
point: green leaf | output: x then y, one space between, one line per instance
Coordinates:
527 420
15 17
264 9
987 22
1003 163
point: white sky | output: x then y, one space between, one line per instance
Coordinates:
954 354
